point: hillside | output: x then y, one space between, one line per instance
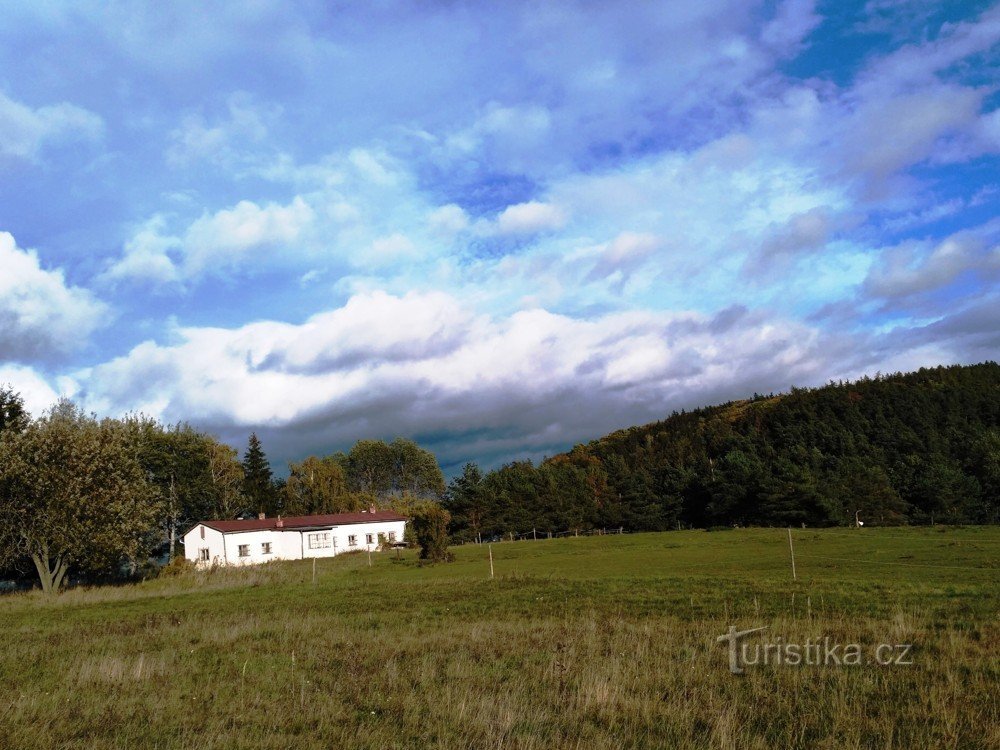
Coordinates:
914 448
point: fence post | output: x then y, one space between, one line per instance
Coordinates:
491 561
791 552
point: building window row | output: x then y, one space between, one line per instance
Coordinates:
319 541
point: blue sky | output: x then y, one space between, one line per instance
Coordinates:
497 228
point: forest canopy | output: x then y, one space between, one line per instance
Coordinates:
912 448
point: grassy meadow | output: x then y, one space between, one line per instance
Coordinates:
591 642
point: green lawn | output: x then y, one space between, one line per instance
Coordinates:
595 642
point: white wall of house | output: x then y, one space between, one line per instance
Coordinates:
204 538
258 546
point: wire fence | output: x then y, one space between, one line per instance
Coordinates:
802 538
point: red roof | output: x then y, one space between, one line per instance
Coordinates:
304 522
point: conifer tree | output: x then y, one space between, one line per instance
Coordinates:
257 482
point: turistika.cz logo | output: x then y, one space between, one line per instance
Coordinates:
823 652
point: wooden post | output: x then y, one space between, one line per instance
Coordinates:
491 561
314 571
534 535
369 557
791 552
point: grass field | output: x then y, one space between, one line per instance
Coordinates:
596 642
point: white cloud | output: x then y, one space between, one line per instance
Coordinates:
41 316
147 255
447 221
624 254
793 22
387 250
24 132
383 364
220 240
37 392
212 244
530 218
914 268
231 141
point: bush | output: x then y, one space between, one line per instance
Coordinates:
430 526
179 566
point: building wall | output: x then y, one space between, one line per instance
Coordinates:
202 537
286 544
340 542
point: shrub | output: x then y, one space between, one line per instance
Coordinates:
179 566
430 526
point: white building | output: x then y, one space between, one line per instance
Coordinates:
259 540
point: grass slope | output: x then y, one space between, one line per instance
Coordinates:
598 642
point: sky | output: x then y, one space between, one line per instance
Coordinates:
499 229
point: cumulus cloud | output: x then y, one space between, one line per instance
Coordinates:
212 244
41 316
382 365
38 393
220 240
24 131
530 218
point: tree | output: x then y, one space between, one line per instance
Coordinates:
370 467
318 485
257 483
176 461
415 471
465 501
13 415
226 474
430 526
73 493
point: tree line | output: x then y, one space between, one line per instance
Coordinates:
914 448
98 497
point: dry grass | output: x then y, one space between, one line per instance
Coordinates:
579 643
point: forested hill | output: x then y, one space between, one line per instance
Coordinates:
913 448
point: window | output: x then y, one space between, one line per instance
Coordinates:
352 540
265 548
369 539
244 550
202 532
319 541
203 554
392 536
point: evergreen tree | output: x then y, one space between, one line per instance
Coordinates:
257 482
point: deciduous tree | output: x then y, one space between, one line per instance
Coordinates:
73 493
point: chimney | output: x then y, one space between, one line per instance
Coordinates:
280 524
261 516
371 508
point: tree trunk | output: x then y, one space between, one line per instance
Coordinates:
173 518
51 576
